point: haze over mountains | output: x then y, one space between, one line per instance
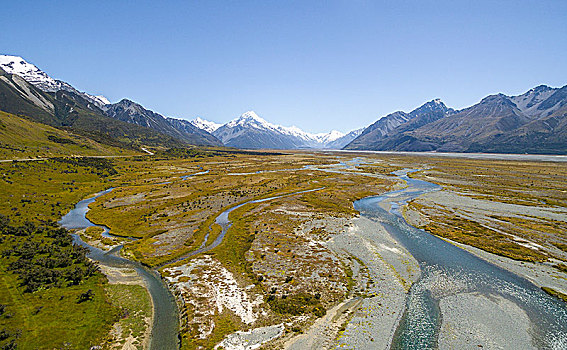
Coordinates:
533 122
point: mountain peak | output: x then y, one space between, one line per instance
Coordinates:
251 115
17 65
435 105
126 101
494 98
252 119
35 76
436 102
206 125
541 88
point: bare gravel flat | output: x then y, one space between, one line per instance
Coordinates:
384 271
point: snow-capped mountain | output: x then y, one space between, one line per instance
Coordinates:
330 136
251 131
206 125
40 79
344 140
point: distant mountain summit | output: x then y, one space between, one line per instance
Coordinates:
533 122
251 131
38 78
205 125
373 136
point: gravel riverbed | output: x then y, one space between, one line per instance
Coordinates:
383 271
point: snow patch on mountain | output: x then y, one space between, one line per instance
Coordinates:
529 101
206 125
32 74
341 142
35 76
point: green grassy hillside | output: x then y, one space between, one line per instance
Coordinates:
22 138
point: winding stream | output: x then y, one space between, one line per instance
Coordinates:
224 222
447 270
165 325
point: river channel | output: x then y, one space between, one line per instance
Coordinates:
447 271
165 325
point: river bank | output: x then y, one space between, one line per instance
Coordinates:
162 323
134 330
383 272
454 280
542 275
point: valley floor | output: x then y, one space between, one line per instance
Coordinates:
302 269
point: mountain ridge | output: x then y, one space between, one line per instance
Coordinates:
18 73
529 122
41 80
132 112
252 131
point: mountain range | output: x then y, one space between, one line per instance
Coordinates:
40 79
251 131
533 122
28 91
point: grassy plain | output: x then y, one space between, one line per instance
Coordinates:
53 318
135 313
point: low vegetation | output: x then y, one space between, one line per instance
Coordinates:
22 138
48 284
514 209
52 296
135 310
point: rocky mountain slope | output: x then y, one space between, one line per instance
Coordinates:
533 122
132 112
68 110
20 75
385 126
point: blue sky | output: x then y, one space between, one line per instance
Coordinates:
320 65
